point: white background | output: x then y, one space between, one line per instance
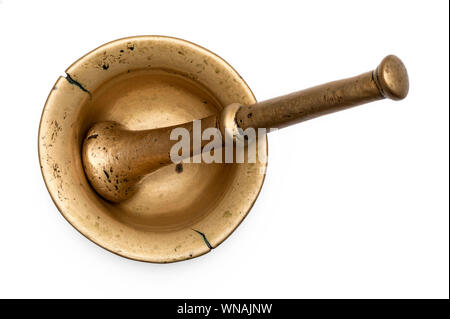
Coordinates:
355 204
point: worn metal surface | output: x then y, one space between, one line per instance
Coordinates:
115 159
179 211
111 119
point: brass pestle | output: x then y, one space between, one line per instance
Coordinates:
115 159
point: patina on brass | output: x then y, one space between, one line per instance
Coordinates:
104 142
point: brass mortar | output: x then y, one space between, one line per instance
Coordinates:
103 142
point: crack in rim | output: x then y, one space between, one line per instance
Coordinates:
76 83
204 238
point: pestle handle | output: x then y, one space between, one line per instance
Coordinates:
388 80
